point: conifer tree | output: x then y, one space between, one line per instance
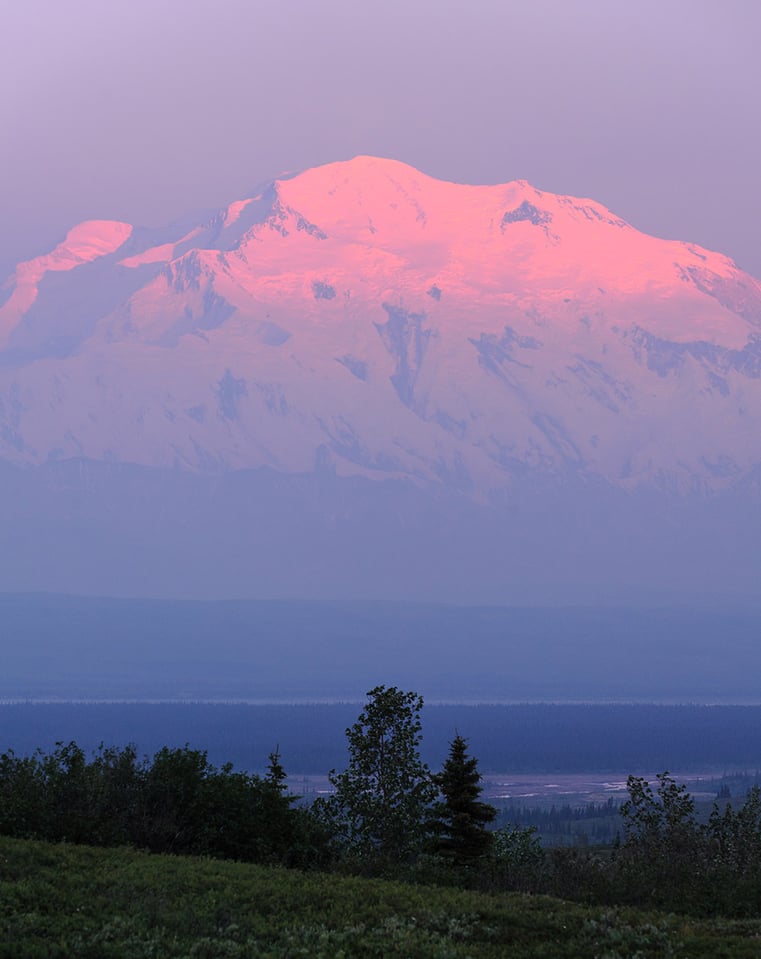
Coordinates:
276 775
459 821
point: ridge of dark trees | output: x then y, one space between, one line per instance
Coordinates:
176 802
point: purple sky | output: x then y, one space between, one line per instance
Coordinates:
147 109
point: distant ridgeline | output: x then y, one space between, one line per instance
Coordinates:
74 648
523 738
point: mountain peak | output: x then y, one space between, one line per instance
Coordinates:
365 317
363 166
94 238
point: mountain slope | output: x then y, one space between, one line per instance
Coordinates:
368 317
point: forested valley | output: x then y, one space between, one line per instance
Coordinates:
388 815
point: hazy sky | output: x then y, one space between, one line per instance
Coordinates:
146 109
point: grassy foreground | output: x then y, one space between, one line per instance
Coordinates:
64 900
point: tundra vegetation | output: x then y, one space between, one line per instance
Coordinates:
389 821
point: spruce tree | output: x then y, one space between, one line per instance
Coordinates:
459 821
276 775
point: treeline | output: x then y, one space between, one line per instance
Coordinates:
176 802
567 825
389 815
516 739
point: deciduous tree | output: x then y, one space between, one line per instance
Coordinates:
381 801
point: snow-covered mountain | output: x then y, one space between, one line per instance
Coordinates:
366 315
362 320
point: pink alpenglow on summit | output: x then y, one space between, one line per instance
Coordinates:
367 318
